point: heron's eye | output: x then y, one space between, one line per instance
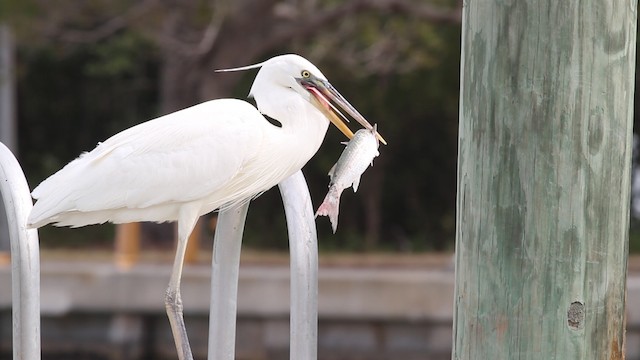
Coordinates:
305 74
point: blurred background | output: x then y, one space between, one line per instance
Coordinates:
85 70
88 69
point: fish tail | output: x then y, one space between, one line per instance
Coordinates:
330 207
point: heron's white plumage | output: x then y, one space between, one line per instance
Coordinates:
188 163
207 156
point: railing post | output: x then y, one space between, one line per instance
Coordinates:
25 259
303 249
304 274
127 245
225 265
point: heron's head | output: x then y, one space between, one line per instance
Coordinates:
295 73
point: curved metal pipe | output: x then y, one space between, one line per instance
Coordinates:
225 264
25 258
304 274
303 248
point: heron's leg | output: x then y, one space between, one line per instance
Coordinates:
173 300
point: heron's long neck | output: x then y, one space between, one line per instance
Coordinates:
302 123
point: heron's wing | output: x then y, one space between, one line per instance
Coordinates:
177 158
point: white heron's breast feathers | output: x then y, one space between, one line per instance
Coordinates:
212 154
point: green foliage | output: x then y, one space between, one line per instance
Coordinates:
403 75
12 10
634 237
417 112
117 57
69 100
18 15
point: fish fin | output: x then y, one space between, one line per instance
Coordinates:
330 207
332 170
356 183
375 156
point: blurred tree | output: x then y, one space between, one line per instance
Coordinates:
196 35
394 60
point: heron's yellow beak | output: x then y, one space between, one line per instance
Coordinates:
325 94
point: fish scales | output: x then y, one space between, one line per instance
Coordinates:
346 172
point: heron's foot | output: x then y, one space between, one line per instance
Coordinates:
173 304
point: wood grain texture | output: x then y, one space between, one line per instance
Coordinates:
543 178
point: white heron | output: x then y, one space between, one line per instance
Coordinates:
193 161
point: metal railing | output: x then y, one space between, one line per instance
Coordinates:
25 259
303 246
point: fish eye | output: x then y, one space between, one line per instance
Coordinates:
305 74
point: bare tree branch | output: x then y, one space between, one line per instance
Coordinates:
210 35
428 12
296 21
108 28
218 16
302 27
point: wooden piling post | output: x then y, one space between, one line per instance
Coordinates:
544 179
127 241
193 246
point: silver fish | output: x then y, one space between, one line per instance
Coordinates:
353 161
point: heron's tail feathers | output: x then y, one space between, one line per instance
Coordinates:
54 195
48 209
